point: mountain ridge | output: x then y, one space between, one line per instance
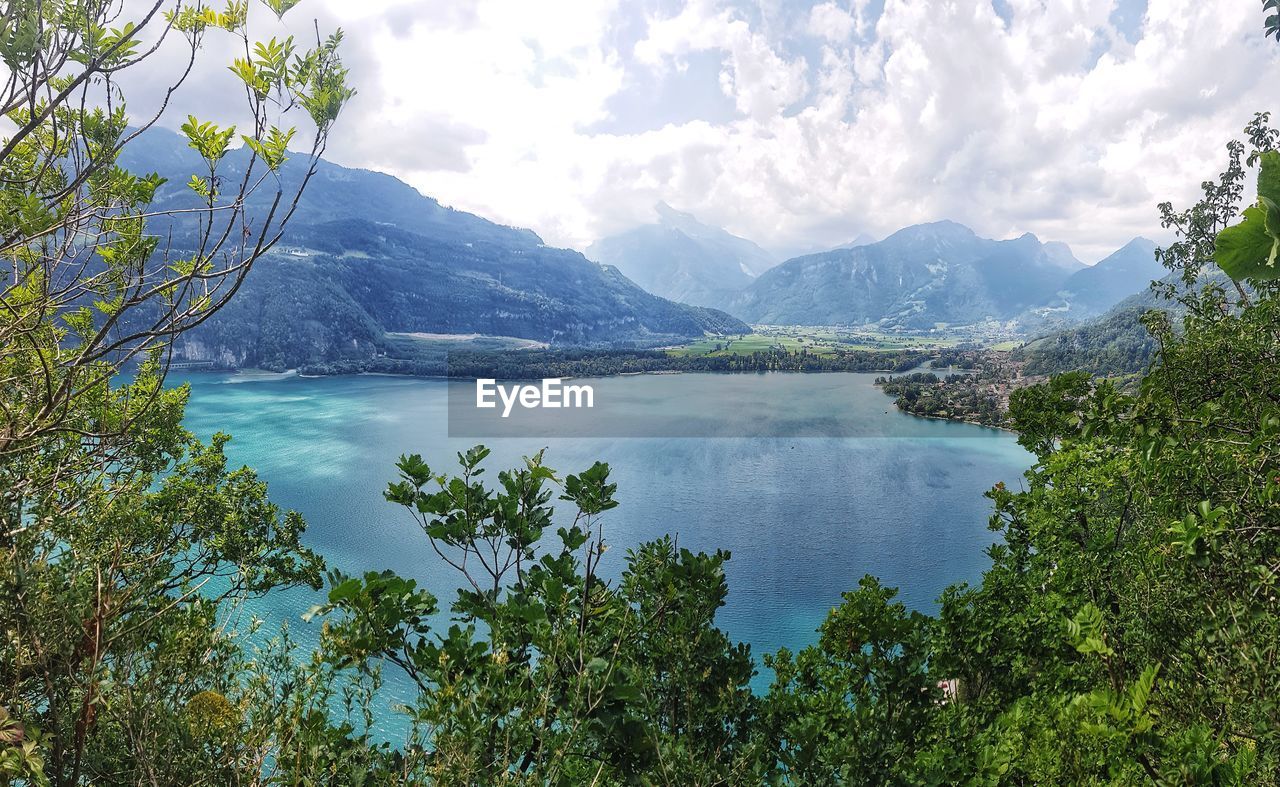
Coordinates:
942 272
938 272
366 255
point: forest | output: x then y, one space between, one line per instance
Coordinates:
1126 631
972 398
588 362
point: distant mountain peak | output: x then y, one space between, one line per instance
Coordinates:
1061 254
943 230
1094 289
863 239
1140 252
688 223
670 215
683 259
1140 243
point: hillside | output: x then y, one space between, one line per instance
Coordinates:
1113 344
366 254
919 276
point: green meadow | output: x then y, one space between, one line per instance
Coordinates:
816 340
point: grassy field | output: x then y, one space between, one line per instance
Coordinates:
817 340
432 345
1012 344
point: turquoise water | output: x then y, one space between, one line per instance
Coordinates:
804 517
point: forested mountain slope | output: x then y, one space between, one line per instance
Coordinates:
919 276
1115 343
367 254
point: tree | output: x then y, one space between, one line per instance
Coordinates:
1124 631
853 708
94 275
549 673
125 544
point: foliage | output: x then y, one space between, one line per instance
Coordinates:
853 708
127 546
1251 249
412 359
1115 345
117 580
549 674
1125 632
93 278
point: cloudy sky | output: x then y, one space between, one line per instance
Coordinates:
797 124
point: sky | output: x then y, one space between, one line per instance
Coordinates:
799 125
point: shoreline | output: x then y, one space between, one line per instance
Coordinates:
265 374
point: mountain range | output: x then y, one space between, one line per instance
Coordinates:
916 278
366 255
1092 291
683 259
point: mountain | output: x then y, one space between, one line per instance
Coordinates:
366 255
334 193
1115 342
863 239
1130 269
919 276
1092 290
1060 254
684 260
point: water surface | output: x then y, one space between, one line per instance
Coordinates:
804 517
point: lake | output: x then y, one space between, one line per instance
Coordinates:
804 515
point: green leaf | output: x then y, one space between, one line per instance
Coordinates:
597 665
1140 692
1269 176
281 7
1248 250
1272 210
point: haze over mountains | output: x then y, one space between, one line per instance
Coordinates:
1093 290
916 278
683 259
366 254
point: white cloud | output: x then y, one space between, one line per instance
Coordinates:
1051 122
830 21
760 81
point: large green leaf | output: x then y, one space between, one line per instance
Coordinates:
1247 250
1271 209
1251 249
1269 176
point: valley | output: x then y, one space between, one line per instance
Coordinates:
371 275
679 392
832 340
